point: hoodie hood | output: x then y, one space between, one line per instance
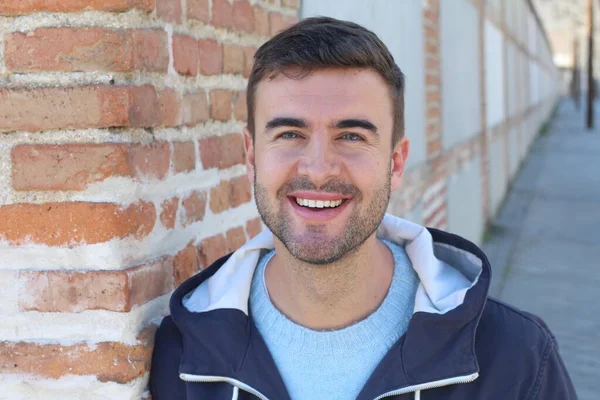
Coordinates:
221 342
446 272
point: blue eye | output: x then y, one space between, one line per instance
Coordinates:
289 135
351 137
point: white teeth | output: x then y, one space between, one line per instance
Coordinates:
318 203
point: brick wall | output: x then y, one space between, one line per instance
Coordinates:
121 171
121 174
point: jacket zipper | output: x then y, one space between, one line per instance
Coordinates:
430 385
234 382
250 389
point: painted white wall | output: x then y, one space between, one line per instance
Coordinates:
399 24
461 106
498 179
532 33
512 70
534 83
465 214
513 150
494 75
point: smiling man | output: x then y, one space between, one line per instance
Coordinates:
337 299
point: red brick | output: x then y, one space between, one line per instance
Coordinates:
229 194
222 14
151 51
74 223
432 79
150 162
253 227
149 281
243 16
36 109
108 361
70 49
144 107
65 291
433 97
195 208
233 59
279 22
169 10
185 264
236 238
248 59
20 7
184 156
261 21
199 10
291 3
68 291
169 212
220 104
66 167
185 55
211 57
170 106
211 249
240 107
222 151
194 108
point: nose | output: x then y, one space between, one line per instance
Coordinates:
319 160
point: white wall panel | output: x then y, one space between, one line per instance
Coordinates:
534 83
465 213
532 33
498 179
494 75
399 24
461 105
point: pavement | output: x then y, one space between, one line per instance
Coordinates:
544 244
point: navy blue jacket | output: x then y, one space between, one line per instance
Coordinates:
480 349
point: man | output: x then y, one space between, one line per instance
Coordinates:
338 300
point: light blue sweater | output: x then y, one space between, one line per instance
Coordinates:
334 365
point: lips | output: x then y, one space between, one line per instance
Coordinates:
319 203
315 207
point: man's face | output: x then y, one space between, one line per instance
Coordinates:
322 161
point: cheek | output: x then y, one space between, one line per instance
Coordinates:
273 166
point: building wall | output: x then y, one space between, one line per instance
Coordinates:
121 158
121 175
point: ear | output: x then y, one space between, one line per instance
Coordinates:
399 156
249 147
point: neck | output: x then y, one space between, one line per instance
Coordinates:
332 296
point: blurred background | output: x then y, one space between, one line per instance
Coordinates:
122 164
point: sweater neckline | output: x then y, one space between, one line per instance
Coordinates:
384 326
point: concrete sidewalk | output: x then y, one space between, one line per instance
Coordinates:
545 243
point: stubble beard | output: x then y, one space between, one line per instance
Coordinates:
315 246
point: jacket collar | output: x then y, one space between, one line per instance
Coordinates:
211 310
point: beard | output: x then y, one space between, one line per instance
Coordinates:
315 245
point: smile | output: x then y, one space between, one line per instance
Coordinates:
319 203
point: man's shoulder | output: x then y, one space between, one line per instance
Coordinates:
509 338
508 320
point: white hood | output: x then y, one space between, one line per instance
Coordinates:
446 272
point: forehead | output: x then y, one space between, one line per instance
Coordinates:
326 95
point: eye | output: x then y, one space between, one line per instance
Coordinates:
351 137
289 135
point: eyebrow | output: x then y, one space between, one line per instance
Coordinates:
355 123
302 124
285 121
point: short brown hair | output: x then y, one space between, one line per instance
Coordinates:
320 43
